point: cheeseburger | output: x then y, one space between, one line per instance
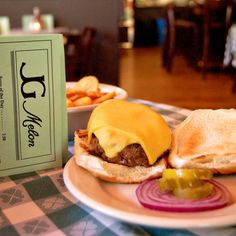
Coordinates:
124 142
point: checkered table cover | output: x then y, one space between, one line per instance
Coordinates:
38 203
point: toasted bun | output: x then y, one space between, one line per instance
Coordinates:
109 171
206 139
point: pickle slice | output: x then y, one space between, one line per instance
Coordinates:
194 193
172 183
187 173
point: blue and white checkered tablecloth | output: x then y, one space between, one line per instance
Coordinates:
38 203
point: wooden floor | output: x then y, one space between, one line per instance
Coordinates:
142 76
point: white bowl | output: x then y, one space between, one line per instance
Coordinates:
78 116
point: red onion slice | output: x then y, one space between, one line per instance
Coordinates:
150 197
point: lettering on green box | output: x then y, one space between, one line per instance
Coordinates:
33 118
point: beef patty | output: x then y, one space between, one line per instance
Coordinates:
132 155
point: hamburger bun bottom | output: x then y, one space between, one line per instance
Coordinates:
112 172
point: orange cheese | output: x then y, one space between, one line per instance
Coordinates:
118 123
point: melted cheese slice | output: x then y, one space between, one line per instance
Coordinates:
118 123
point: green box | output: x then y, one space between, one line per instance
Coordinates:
33 117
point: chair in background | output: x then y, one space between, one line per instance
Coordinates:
217 16
48 20
229 62
72 43
187 27
78 49
4 25
87 41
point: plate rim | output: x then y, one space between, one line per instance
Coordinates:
150 221
123 95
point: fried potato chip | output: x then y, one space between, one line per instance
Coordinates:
70 92
104 97
95 95
88 84
69 103
76 96
83 101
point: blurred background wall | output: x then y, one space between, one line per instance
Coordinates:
104 15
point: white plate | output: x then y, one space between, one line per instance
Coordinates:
106 88
119 201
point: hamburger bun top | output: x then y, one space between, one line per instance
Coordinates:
119 123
